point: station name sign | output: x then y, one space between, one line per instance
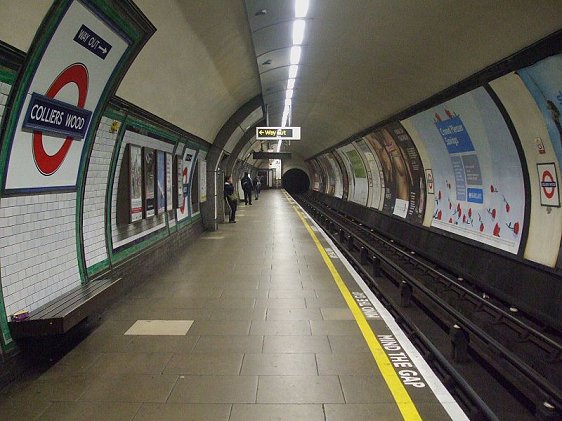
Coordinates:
49 115
272 155
276 133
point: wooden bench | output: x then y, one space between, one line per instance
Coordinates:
64 312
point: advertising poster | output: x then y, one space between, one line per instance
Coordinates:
478 182
337 174
187 164
357 169
202 180
160 181
544 82
149 181
344 174
169 182
374 174
179 175
317 183
135 182
404 179
328 171
53 120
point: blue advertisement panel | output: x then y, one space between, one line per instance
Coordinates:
544 81
478 180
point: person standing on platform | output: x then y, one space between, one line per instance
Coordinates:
257 186
247 187
230 197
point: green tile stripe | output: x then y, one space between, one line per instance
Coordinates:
7 76
98 267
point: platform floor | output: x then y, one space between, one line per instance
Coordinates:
252 323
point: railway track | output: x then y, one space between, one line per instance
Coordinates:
496 360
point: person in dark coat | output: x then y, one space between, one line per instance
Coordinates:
230 199
247 187
257 186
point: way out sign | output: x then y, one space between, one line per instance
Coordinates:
548 181
276 133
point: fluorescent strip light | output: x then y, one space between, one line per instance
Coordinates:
295 54
298 31
289 94
301 8
287 102
291 84
293 71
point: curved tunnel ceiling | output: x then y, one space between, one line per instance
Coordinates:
365 60
362 62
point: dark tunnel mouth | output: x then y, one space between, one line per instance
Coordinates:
295 181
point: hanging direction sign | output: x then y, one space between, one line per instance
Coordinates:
272 155
276 133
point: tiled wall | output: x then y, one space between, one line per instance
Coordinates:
94 195
38 260
38 250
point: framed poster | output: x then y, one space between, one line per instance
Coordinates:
135 182
169 182
160 181
202 180
179 168
149 181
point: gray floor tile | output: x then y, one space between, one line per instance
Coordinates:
233 302
236 293
348 344
279 365
280 327
210 364
379 412
67 388
220 327
162 344
350 364
232 343
365 389
340 313
16 409
238 314
270 412
333 301
183 412
112 364
215 389
294 314
80 411
296 344
299 389
291 293
130 388
280 302
334 327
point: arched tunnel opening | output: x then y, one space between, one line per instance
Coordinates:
295 181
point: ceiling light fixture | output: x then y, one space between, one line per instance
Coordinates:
298 31
261 12
295 54
301 8
293 70
289 94
291 84
287 102
267 62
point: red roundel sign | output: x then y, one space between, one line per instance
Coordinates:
548 184
75 73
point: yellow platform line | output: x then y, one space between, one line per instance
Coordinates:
401 396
